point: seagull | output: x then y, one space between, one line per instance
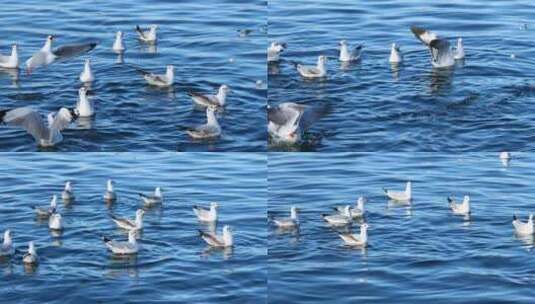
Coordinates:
338 219
7 246
118 46
55 221
123 248
217 100
395 54
360 239
127 224
110 195
357 211
147 36
160 80
505 156
224 241
459 51
441 52
318 71
244 32
149 200
209 130
84 107
274 51
31 256
346 56
401 196
46 56
67 193
31 121
46 212
523 228
291 222
288 121
462 208
87 74
206 215
12 61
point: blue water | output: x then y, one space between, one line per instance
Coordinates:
199 38
417 254
484 104
174 264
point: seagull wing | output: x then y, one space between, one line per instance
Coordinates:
72 50
439 48
357 50
423 35
211 239
62 120
28 119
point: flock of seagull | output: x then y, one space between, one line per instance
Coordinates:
285 123
47 134
132 226
344 216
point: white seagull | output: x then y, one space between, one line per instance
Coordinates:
30 120
360 240
87 74
67 194
318 71
110 195
149 35
118 46
523 228
288 121
217 100
46 212
123 248
395 54
12 61
462 208
210 130
156 198
459 50
127 224
357 211
160 80
220 241
346 55
31 256
206 215
7 246
274 50
401 196
84 106
291 222
441 52
340 219
55 221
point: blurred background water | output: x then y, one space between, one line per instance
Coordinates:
417 254
174 264
199 38
482 104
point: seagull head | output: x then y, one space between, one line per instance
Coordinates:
153 27
7 235
50 38
140 213
224 88
119 34
214 205
170 68
364 226
343 42
322 58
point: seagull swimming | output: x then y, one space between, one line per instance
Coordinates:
318 71
160 80
87 74
12 61
357 211
7 248
217 100
123 248
360 239
288 121
206 215
46 212
149 200
340 219
31 256
110 195
84 107
291 222
149 35
274 51
441 52
210 130
127 224
523 228
118 46
67 194
401 196
55 221
346 56
459 50
395 54
462 208
220 241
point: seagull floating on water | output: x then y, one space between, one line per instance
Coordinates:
217 100
318 71
110 195
401 196
55 221
206 215
47 212
288 121
210 130
11 61
7 248
291 222
123 248
31 256
220 241
462 208
87 74
340 219
118 46
31 121
160 80
346 56
523 228
156 198
395 54
360 240
274 50
148 35
441 52
67 194
459 51
357 211
127 224
84 107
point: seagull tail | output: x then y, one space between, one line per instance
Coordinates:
2 114
450 200
142 195
385 190
139 31
105 239
201 233
514 217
